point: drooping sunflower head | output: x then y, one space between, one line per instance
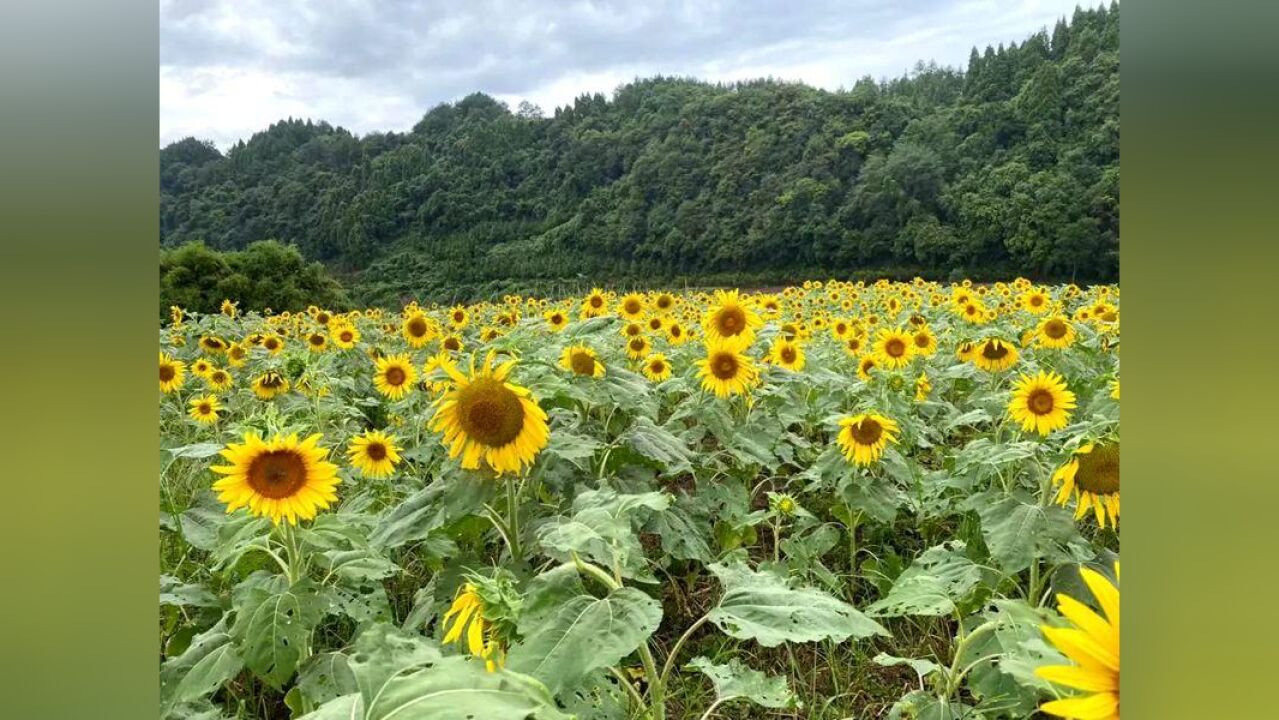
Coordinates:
270 384
994 355
172 373
965 351
731 317
229 308
865 365
394 376
581 360
205 409
485 418
277 478
374 453
1041 403
894 348
656 367
212 344
1055 332
787 354
862 438
1091 479
727 370
451 343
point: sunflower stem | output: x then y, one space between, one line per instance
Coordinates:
513 520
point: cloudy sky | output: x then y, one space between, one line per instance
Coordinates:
229 69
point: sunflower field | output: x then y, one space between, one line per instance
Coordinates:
835 500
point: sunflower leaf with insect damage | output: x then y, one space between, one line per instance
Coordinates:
658 444
207 663
325 677
1018 531
175 592
585 633
922 668
761 606
734 680
273 626
427 510
684 528
935 584
602 528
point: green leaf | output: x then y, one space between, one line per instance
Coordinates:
1017 532
428 509
583 633
273 626
199 450
602 528
326 676
175 592
684 528
208 662
735 680
922 668
939 579
659 445
761 606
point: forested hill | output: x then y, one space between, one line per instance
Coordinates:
1009 166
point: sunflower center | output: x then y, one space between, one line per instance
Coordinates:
583 364
490 413
1040 402
867 432
458 317
270 343
676 331
663 303
395 376
596 301
317 339
451 343
632 307
637 344
376 451
994 351
1036 301
1055 329
205 409
895 348
347 336
788 355
557 318
277 474
724 366
921 341
1099 470
417 327
731 321
657 366
632 330
655 323
167 373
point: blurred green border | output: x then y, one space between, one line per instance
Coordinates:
78 222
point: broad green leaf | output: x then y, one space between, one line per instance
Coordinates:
175 592
761 606
428 509
659 445
326 676
1017 532
735 680
208 662
273 627
583 633
934 584
684 528
602 528
922 668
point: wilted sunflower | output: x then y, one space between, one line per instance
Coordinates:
486 418
581 360
212 344
1055 332
205 409
1092 478
230 309
637 347
273 343
1093 643
345 336
865 365
862 438
922 387
1041 403
726 370
270 384
965 351
417 330
994 355
489 333
556 320
277 478
925 343
374 454
731 317
237 355
631 307
395 376
787 354
219 379
894 348
466 615
656 367
172 373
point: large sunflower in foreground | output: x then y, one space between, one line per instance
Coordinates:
731 317
1093 643
172 373
395 376
726 370
862 438
1041 403
1091 477
485 418
581 360
374 454
894 348
277 478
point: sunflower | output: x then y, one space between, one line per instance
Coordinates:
925 343
230 309
346 336
656 367
486 418
395 376
637 347
273 343
1093 644
175 314
205 409
581 360
726 370
374 454
172 373
922 387
631 307
556 320
1114 389
965 351
276 478
466 615
237 355
489 333
458 317
865 365
452 344
219 379
862 438
1091 476
841 328
1055 332
202 367
656 324
594 304
1036 301
787 354
974 312
732 317
270 384
1041 403
631 329
893 348
212 344
854 345
417 329
676 333
994 355
664 302
317 342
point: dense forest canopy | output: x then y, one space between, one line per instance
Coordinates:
1008 167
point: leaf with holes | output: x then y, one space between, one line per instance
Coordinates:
273 627
735 680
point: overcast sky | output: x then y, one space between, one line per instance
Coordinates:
229 69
